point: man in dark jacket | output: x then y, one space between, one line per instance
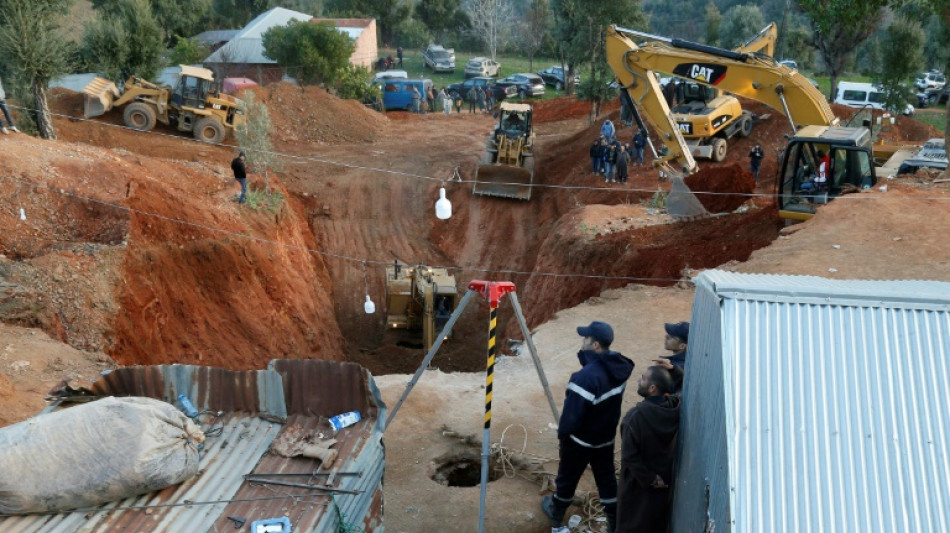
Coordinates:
755 160
647 448
240 174
623 160
639 142
588 424
596 155
677 337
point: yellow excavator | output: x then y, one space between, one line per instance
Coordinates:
507 166
708 117
420 300
814 129
194 105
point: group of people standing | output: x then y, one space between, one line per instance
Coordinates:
588 427
478 99
611 158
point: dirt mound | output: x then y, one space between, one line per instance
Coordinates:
904 128
312 115
566 108
713 186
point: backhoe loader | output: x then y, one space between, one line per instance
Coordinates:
193 105
813 126
507 166
420 300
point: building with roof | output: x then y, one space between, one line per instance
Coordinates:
242 414
243 55
812 404
363 33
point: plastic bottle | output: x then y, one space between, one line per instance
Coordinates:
574 521
346 419
187 406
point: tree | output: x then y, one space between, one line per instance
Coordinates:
127 41
902 57
315 53
713 23
32 44
236 13
739 24
489 18
175 17
840 26
253 137
188 51
442 16
389 14
580 28
533 30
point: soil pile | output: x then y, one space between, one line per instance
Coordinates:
312 115
721 189
567 108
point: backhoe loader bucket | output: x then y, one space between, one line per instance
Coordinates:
505 181
682 203
98 96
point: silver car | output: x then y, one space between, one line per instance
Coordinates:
481 66
526 83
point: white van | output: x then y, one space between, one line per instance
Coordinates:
857 94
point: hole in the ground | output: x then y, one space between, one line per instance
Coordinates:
460 469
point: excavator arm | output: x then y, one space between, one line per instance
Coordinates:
762 43
753 76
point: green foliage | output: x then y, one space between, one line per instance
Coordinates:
126 41
175 17
739 24
33 46
187 51
254 137
657 201
442 16
270 201
313 53
713 23
936 51
351 85
236 13
795 43
533 32
902 57
412 34
389 14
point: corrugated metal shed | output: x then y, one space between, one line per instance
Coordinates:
815 405
257 406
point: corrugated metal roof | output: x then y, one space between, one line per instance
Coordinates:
247 46
821 416
255 410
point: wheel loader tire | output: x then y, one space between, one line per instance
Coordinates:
209 130
745 129
719 148
139 116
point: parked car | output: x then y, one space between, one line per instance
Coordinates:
790 63
438 58
527 84
930 80
481 66
932 97
499 93
858 94
555 76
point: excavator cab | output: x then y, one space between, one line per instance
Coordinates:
851 168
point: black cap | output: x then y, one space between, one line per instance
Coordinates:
679 330
599 331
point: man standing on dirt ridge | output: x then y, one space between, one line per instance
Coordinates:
588 425
6 113
240 174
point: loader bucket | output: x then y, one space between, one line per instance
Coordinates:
505 181
98 96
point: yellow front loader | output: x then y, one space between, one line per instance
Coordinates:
194 105
507 166
420 300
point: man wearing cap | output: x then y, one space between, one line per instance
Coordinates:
588 425
677 337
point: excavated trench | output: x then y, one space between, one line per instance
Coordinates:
261 285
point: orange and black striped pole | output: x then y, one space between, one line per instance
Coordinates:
493 291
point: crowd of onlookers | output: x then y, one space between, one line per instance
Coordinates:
476 99
611 159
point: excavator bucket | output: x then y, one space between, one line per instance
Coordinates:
682 203
505 181
98 96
